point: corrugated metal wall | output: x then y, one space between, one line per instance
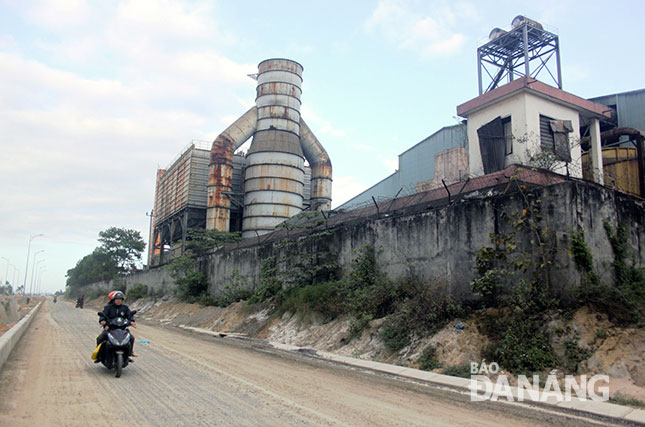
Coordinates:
184 183
630 107
416 164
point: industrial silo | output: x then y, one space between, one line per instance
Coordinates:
274 181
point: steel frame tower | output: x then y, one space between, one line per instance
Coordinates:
509 55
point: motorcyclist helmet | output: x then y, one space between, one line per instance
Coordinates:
116 295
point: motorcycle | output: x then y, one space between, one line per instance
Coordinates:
115 351
79 304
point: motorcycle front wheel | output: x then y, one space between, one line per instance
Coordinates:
119 365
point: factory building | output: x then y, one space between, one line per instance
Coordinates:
213 186
518 119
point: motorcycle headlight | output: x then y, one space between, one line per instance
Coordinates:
112 340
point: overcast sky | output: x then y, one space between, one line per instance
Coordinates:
96 95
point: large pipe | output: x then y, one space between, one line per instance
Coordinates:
218 214
274 177
321 170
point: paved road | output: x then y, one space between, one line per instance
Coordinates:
186 379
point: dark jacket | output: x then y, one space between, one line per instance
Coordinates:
112 311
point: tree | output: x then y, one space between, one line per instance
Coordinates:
123 245
95 267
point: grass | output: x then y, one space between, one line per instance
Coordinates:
626 400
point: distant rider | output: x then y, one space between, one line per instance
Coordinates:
114 309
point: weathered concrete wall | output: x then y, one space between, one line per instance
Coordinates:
440 244
157 280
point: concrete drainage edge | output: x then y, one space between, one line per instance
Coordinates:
594 409
9 339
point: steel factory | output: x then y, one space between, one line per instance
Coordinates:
521 114
252 193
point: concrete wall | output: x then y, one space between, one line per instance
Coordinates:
157 280
440 244
9 339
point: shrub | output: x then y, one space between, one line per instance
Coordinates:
462 371
191 283
396 332
523 347
428 360
136 291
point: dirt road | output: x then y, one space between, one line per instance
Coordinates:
186 379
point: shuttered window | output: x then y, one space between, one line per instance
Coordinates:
546 134
556 142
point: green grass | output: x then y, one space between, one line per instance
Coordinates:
626 400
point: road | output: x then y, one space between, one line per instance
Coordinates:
182 378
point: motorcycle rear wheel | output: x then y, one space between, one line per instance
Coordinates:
119 365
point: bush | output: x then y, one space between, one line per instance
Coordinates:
462 371
396 332
137 291
428 360
328 298
523 347
191 283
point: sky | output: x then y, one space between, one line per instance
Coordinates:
95 96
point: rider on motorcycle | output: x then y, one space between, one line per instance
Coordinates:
113 309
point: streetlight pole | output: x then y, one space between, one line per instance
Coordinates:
39 277
32 237
6 274
15 270
33 270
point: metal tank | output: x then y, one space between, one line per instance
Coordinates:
274 182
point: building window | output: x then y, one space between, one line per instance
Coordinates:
554 137
492 145
508 134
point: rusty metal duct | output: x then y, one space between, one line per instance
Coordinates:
275 172
218 213
321 170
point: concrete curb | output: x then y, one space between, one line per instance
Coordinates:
599 410
10 338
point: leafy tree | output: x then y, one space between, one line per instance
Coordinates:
6 289
95 267
123 245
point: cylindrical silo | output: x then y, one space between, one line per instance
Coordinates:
274 177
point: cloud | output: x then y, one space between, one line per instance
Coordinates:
320 125
430 33
58 14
